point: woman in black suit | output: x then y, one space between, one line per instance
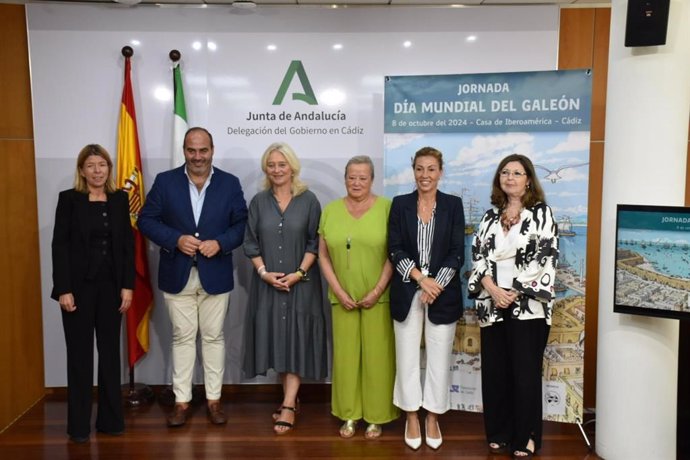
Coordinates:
93 278
426 231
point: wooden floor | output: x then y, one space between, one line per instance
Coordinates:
40 434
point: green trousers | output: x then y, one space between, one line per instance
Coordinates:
363 364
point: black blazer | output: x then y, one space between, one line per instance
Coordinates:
71 242
447 250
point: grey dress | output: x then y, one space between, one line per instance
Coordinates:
284 331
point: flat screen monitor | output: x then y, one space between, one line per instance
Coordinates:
652 261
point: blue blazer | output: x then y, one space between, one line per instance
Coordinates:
167 215
447 250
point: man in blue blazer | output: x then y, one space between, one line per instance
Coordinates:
196 214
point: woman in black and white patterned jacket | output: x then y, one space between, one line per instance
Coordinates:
514 258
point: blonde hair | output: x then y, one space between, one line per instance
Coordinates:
93 150
297 186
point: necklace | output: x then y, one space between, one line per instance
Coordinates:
507 221
348 245
426 206
425 211
282 200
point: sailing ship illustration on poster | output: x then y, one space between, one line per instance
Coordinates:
565 227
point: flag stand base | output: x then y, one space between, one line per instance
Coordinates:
136 395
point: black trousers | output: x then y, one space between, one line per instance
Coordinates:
512 356
97 305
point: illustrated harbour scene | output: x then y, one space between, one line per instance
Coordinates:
653 269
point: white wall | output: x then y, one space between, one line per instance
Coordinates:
638 354
76 69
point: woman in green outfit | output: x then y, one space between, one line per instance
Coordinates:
352 254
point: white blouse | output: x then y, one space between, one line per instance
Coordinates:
425 238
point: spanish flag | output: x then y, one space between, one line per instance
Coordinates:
130 179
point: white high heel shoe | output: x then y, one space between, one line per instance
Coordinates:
412 443
434 443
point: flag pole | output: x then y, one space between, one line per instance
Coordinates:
135 394
180 124
166 396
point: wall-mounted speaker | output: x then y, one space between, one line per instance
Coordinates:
646 22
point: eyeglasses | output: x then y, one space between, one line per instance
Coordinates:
516 174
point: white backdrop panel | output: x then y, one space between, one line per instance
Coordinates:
228 73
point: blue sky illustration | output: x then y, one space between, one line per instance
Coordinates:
561 160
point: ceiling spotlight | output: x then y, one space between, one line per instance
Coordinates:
244 4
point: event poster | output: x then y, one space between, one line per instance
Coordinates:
476 120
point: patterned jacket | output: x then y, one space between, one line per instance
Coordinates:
535 265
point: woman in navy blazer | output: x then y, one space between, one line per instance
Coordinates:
93 279
426 231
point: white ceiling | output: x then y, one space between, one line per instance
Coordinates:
341 3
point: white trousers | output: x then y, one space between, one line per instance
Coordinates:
409 394
192 311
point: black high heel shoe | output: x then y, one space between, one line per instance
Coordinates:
276 414
526 453
520 454
498 448
287 425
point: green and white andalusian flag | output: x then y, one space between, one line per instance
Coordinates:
180 125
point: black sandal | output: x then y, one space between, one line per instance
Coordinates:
276 414
525 451
288 425
528 454
498 447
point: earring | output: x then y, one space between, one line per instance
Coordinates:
527 187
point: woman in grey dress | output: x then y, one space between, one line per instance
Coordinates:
285 328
